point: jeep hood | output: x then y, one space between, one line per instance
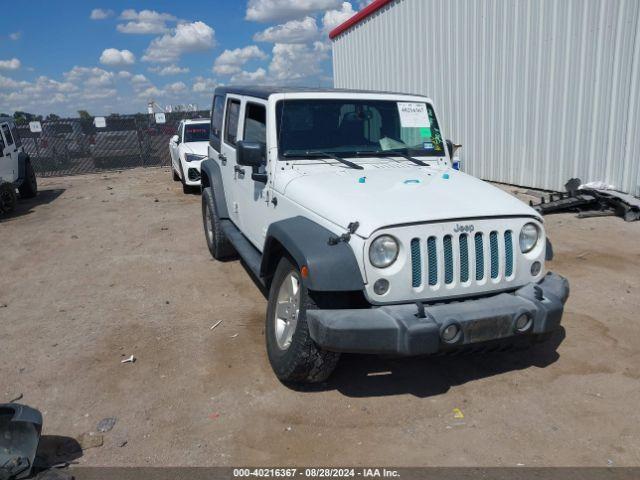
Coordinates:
378 198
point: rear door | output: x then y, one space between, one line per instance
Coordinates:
227 157
9 162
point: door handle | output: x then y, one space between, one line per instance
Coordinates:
222 158
238 170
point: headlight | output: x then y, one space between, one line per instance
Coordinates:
190 157
383 251
529 237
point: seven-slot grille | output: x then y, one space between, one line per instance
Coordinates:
447 260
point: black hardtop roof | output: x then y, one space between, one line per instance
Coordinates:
265 91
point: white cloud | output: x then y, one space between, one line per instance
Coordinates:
187 37
177 87
295 61
124 74
15 36
204 85
294 31
7 83
364 3
113 57
169 70
144 22
90 76
333 18
12 64
246 78
139 79
150 92
231 61
281 10
100 14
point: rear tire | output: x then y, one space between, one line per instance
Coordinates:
294 356
8 198
29 187
217 242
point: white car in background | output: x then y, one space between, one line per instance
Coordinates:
188 148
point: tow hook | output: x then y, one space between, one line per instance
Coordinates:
345 237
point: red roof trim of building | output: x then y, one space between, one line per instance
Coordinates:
358 17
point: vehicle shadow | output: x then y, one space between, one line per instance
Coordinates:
28 205
54 450
375 376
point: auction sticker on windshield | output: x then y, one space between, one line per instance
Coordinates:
413 115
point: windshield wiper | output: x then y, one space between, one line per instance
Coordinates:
391 153
322 155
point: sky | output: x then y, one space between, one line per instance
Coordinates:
109 56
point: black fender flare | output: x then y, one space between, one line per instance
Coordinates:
332 268
23 159
211 176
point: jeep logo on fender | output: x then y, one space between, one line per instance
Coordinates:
463 228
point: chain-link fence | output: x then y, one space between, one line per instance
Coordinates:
73 146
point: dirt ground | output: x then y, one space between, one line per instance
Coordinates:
101 267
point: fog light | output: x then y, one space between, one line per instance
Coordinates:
450 333
381 286
535 268
523 323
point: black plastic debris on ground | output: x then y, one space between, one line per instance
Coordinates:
590 202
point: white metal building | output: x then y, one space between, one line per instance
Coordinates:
537 91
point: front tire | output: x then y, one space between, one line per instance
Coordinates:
8 198
294 356
29 187
176 177
219 246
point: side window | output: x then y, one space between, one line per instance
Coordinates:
180 131
255 123
231 123
216 121
7 134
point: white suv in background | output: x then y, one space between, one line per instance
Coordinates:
16 171
188 148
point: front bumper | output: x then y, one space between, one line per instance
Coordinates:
398 329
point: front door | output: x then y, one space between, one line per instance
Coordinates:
173 149
9 161
251 196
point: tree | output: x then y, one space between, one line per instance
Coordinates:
52 116
84 115
22 118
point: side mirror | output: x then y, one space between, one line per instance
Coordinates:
452 148
251 154
175 139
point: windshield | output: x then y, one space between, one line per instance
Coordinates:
349 127
196 132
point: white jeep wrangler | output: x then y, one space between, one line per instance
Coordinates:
344 207
16 171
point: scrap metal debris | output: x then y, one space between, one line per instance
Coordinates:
215 325
106 424
131 359
590 200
